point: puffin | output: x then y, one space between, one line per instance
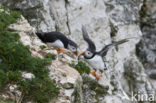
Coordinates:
58 41
95 58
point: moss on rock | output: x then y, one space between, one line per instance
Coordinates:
6 101
15 58
81 67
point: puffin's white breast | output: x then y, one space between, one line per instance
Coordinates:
96 62
57 43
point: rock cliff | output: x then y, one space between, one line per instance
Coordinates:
106 21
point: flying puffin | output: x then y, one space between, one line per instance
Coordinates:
95 58
59 41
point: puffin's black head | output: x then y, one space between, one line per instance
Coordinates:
41 36
72 46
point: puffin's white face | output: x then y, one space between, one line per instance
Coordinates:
72 48
88 54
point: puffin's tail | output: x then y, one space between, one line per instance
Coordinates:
41 36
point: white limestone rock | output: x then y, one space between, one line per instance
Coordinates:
106 21
28 76
65 76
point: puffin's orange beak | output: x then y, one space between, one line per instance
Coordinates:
77 53
83 52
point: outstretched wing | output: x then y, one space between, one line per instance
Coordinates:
91 45
105 49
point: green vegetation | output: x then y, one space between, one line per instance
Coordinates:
113 30
42 47
50 56
81 67
6 101
95 86
3 78
99 89
16 58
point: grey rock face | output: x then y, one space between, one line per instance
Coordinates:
137 78
106 21
123 11
45 15
92 91
146 49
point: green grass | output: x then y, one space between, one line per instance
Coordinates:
16 58
42 47
81 67
3 78
6 101
50 56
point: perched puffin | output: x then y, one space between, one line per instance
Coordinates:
59 41
95 58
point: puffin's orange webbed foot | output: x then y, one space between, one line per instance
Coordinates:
98 76
93 73
61 50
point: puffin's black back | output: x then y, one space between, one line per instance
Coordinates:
52 37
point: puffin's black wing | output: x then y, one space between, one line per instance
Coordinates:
91 45
53 36
48 37
105 49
